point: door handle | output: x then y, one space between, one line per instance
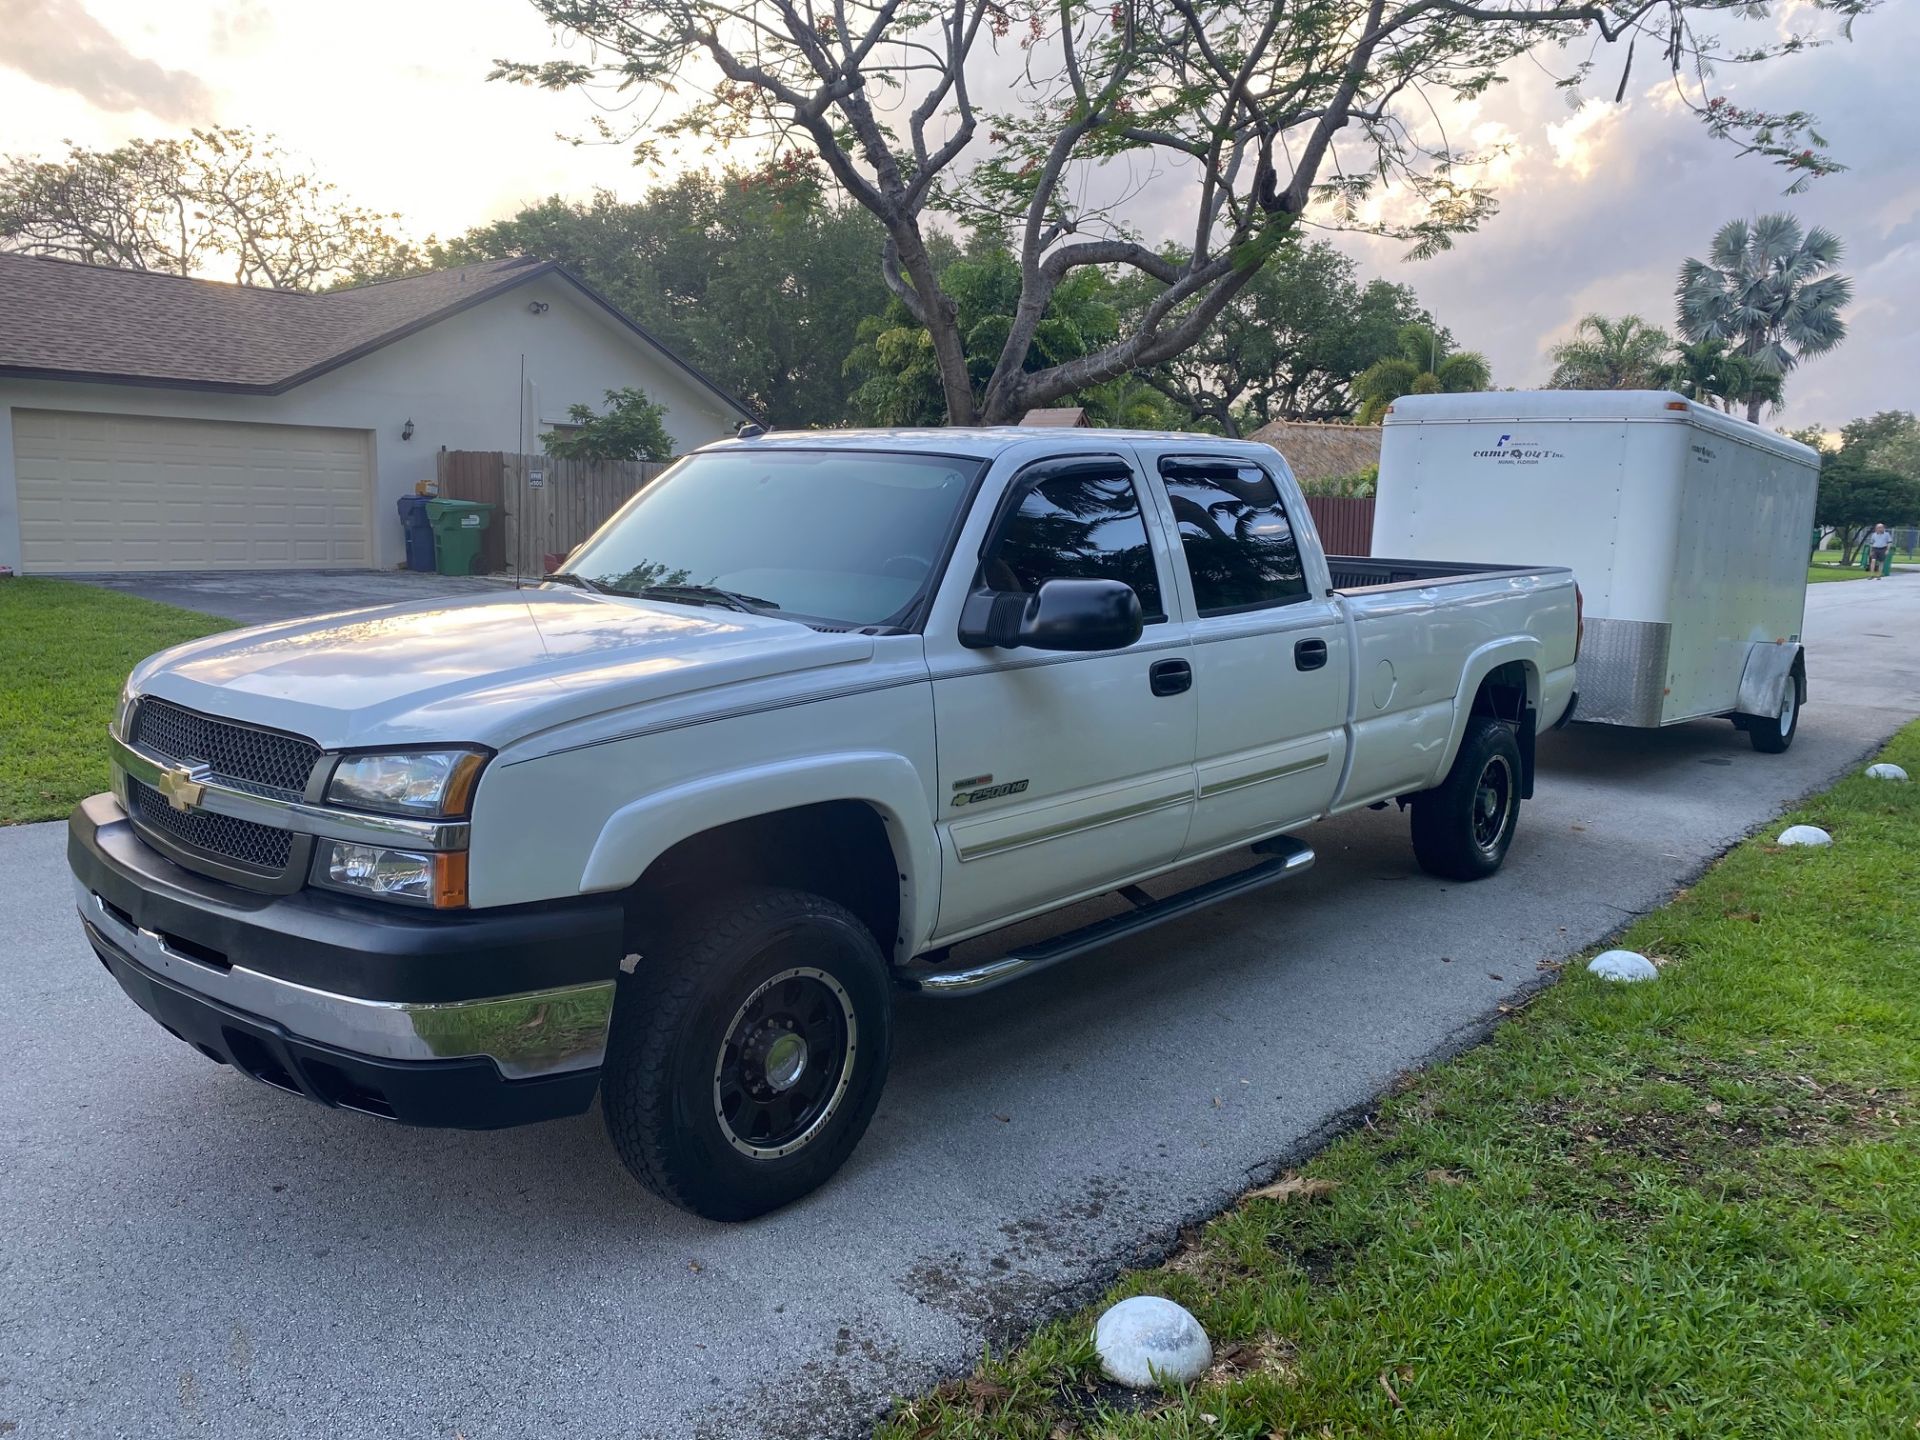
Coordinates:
1309 654
1170 677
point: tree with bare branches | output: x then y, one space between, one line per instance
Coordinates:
1271 111
222 202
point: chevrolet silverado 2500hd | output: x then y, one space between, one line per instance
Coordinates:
807 712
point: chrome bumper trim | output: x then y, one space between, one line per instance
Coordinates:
360 826
544 1032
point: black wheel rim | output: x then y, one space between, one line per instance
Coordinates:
784 1063
1492 802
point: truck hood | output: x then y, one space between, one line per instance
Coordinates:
490 669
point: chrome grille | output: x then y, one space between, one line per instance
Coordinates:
242 756
260 759
232 842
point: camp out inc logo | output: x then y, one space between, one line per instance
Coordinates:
1513 449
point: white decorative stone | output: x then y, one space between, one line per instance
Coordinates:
1805 835
1147 1341
1626 965
1885 772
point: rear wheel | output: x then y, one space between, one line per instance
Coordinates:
1772 737
748 1052
1463 827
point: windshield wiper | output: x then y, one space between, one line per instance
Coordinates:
707 595
567 577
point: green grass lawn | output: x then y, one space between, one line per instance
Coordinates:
1825 566
65 649
1685 1208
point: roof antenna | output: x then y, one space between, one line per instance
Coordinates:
519 464
747 430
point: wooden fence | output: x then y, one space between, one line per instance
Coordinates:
544 506
548 506
1345 526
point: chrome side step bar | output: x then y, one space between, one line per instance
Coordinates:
1286 857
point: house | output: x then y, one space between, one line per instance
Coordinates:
153 422
1319 451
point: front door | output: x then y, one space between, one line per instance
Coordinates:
1269 656
1061 775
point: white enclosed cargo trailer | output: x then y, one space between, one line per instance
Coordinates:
1689 533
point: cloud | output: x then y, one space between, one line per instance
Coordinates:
1578 140
1600 216
59 44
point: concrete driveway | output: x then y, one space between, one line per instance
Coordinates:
187 1251
255 597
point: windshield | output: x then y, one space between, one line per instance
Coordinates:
846 536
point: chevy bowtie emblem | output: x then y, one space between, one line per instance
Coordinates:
182 786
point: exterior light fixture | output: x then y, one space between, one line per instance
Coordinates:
406 430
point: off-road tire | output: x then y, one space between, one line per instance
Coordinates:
1771 735
1451 821
672 1018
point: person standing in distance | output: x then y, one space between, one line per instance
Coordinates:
1882 543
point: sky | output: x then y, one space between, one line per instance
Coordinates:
388 98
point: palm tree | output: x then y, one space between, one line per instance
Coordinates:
1766 292
1425 365
1708 372
1623 354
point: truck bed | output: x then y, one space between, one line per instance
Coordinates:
1359 573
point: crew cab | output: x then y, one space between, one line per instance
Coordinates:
672 825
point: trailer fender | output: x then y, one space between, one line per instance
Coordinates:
1771 665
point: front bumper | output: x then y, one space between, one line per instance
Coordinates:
475 1020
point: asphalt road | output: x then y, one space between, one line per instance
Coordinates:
183 1251
259 597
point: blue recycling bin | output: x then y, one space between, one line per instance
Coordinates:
419 531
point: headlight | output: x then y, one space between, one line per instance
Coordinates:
421 877
419 782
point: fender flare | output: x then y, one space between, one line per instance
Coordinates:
638 834
1481 663
1763 680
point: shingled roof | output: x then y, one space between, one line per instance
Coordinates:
1320 451
60 320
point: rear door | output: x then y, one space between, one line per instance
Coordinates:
1061 774
1270 656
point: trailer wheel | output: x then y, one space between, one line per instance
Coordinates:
748 1052
1463 827
1772 737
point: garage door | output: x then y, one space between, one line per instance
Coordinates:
130 492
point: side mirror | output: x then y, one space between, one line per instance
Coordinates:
1061 615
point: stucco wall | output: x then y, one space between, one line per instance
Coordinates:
459 382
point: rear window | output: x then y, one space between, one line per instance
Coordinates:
1234 530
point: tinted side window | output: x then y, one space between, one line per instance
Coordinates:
1084 525
1237 538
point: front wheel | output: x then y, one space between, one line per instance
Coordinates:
748 1052
1772 737
1464 825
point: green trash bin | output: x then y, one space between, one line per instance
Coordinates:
457 528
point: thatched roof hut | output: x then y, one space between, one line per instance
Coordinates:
1069 417
1319 451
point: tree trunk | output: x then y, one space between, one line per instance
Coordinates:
943 324
1753 408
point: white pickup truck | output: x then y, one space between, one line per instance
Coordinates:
811 709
